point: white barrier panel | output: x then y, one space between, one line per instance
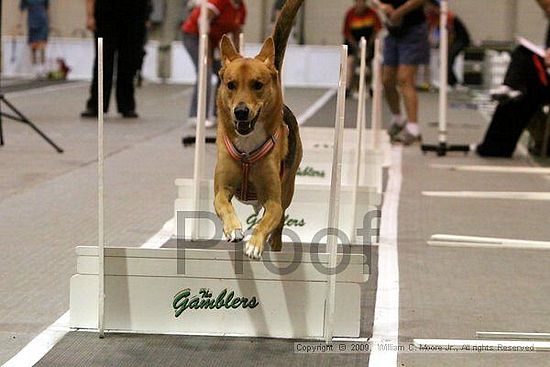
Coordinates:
313 137
316 166
305 66
77 52
147 290
306 216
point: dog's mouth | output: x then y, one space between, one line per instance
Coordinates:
246 127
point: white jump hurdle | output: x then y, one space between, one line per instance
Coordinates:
373 144
308 212
143 293
198 289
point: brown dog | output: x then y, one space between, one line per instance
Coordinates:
259 147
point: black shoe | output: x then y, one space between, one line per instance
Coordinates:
129 115
88 114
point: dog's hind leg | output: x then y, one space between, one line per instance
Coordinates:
276 237
270 198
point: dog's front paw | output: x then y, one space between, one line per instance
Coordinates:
235 235
254 248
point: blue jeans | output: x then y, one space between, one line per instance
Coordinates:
191 43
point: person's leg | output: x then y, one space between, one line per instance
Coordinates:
406 79
34 62
389 80
351 71
414 50
191 43
350 67
389 77
454 51
506 127
129 50
34 58
43 54
108 61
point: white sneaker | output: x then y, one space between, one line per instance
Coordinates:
461 88
504 93
210 124
192 123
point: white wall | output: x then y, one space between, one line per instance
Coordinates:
532 23
485 19
324 21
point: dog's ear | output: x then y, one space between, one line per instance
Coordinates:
267 54
228 51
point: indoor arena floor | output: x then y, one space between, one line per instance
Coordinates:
48 206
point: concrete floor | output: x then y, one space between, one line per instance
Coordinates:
47 206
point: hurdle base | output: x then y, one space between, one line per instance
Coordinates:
442 149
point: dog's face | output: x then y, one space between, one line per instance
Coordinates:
249 87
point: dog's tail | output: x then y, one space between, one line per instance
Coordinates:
283 27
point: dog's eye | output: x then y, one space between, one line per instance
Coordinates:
257 85
231 86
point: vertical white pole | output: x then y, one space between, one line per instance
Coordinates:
241 44
100 196
359 136
376 115
201 117
443 66
334 204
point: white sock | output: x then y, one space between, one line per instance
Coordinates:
398 119
413 128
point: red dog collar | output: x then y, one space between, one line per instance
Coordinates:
247 160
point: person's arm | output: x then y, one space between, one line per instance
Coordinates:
90 15
547 58
404 9
380 6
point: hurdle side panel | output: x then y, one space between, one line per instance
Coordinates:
145 304
314 137
316 167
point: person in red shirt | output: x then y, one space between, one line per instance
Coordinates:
225 17
361 21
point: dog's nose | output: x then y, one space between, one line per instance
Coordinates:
241 112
